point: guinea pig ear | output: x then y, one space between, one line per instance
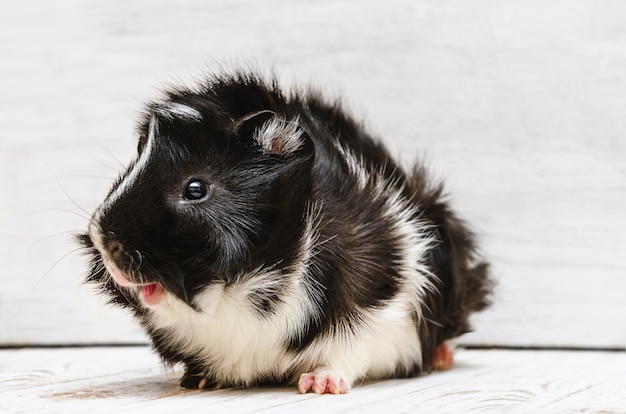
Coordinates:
272 133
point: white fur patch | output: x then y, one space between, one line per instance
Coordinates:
415 241
229 334
414 234
355 167
171 110
384 339
279 136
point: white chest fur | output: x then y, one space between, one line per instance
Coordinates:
227 333
240 345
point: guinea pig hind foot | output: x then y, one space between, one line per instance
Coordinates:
443 357
323 381
199 382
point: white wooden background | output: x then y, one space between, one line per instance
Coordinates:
521 106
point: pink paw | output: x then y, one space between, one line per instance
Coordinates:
323 381
443 359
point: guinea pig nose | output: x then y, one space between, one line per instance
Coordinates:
115 247
115 251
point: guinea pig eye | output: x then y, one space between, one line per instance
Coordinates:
195 190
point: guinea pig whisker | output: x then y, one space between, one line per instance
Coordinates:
135 276
50 236
135 260
112 156
54 265
64 210
103 163
181 283
87 214
139 258
126 293
100 177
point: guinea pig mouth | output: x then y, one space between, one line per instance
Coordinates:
151 293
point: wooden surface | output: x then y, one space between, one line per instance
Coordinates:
519 105
129 380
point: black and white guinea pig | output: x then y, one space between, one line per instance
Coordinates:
263 237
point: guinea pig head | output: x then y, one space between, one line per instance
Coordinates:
207 199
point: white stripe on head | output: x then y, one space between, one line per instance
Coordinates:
135 170
170 110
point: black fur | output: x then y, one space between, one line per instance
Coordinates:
256 215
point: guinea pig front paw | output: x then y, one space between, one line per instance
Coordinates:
199 382
323 381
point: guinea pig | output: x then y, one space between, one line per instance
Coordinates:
263 236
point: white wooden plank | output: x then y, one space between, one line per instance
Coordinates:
518 104
130 380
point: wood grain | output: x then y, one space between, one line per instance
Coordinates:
130 380
519 105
